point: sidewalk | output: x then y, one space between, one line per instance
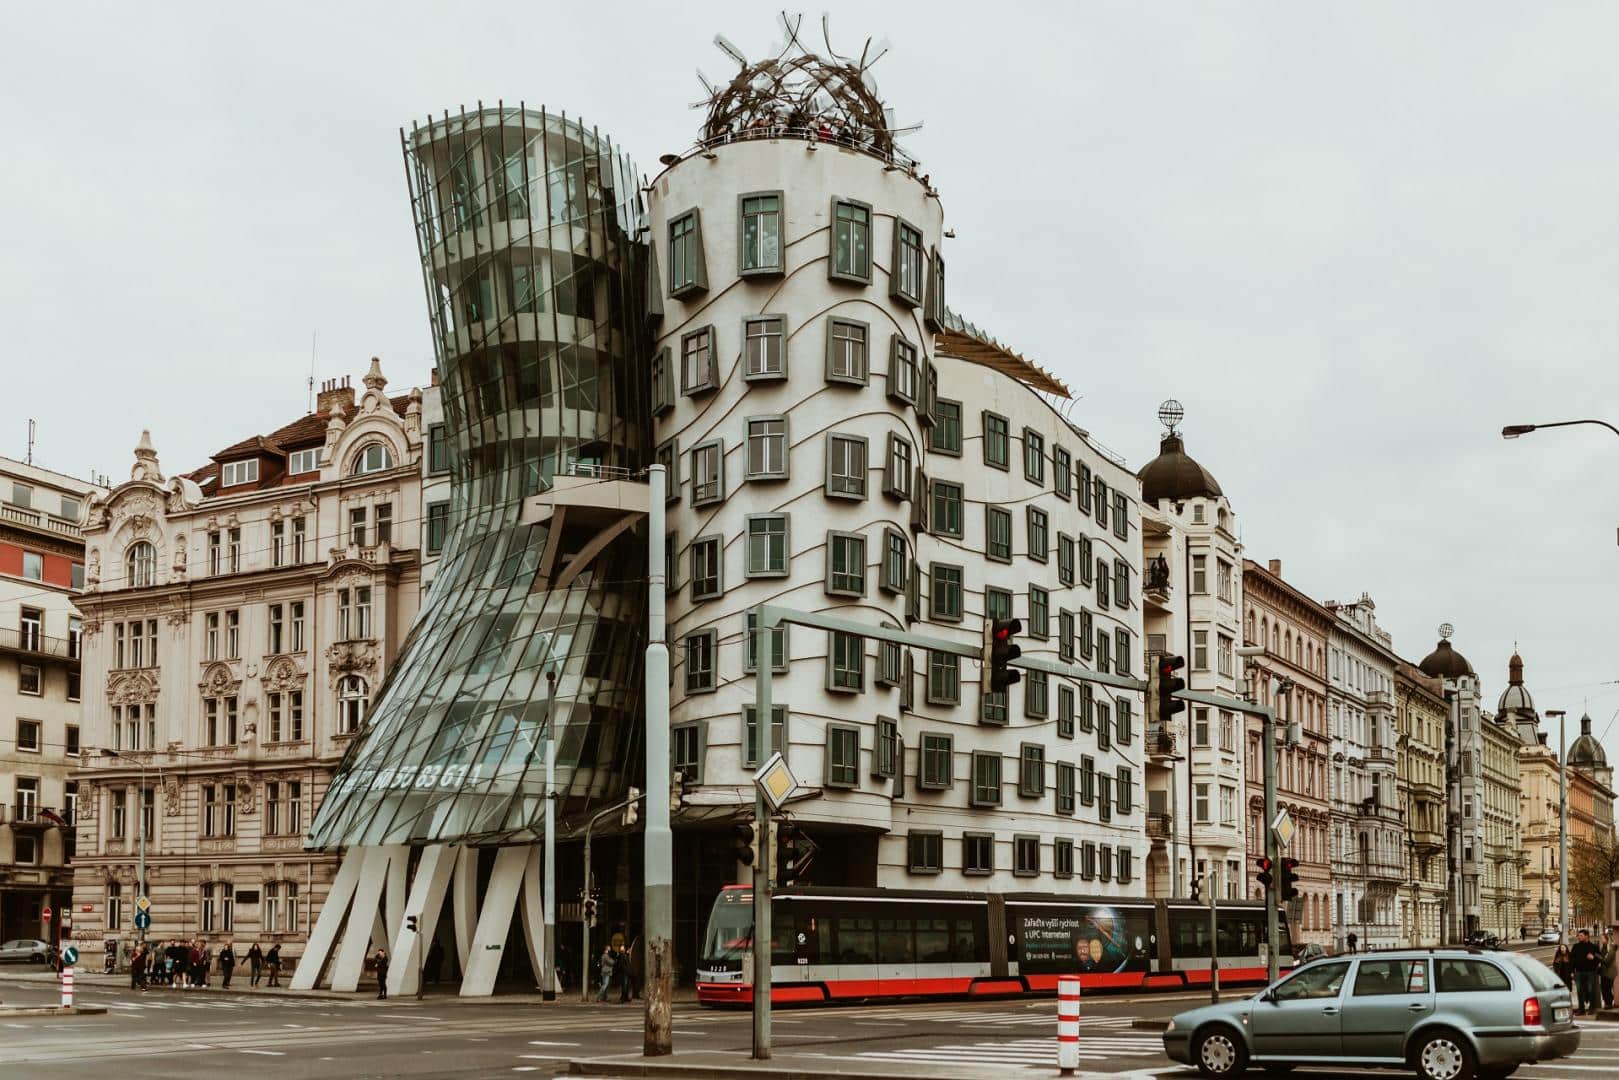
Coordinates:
783 1065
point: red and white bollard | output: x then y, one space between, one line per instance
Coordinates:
67 986
1067 1024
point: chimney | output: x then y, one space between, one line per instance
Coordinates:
1276 567
334 392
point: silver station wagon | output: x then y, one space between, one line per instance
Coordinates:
1449 1014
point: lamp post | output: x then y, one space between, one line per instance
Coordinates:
1512 431
140 810
1562 821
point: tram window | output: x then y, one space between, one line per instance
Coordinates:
856 941
933 941
894 944
1239 937
1188 936
964 943
783 936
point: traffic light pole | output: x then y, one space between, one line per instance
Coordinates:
584 958
657 846
764 663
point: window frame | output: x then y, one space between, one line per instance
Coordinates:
970 841
947 614
1034 457
691 277
997 433
837 671
898 260
777 268
841 774
903 356
749 473
749 573
929 751
1022 845
1037 529
933 845
860 272
834 538
941 522
899 467
779 335
716 449
863 376
747 718
709 379
994 514
833 440
946 426
717 540
981 794
712 637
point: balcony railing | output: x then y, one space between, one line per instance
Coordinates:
32 643
38 519
1380 755
1160 742
1427 839
1379 699
1381 869
1157 825
39 817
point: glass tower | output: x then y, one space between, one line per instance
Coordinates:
529 230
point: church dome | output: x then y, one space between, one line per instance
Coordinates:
1587 751
1516 696
1445 662
1174 475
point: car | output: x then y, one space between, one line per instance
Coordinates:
24 951
1482 939
1549 936
1447 1013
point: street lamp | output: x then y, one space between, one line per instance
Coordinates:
1562 822
1512 431
140 810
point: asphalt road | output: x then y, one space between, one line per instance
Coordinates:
170 1034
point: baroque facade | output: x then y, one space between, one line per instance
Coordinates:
1420 714
237 620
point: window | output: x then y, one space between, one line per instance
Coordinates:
1104 651
1200 803
1062 857
1121 515
926 852
75 575
1104 585
751 751
300 535
708 473
760 251
977 853
1100 500
1200 574
846 466
890 664
1468 977
944 678
354 613
937 769
885 760
933 309
1223 578
902 371
997 441
232 473
1026 856
1062 471
1085 560
1320 981
353 700
905 280
286 715
219 720
945 595
283 808
115 906
767 448
1121 651
896 561
845 564
764 347
1065 559
1038 534
22 495
686 749
663 383
1065 636
218 907
986 779
997 534
945 435
1034 456
767 545
70 740
778 645
847 355
438 525
31 625
846 661
1123 790
295 642
688 272
1104 794
1124 721
1200 650
279 908
28 736
1226 654
897 471
946 507
842 756
706 582
1036 694
851 242
374 458
699 369
1031 771
1065 712
385 523
219 809
357 526
438 450
701 648
1065 787
140 565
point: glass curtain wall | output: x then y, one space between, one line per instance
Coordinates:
529 230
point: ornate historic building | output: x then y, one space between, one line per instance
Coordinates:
1419 716
237 620
1292 629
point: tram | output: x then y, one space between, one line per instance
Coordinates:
833 944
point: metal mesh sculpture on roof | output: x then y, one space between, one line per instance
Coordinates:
798 89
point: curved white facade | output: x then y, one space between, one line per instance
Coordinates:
784 432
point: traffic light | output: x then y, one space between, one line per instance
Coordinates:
1168 683
1264 876
999 651
632 808
590 911
744 844
1197 888
410 923
1289 881
795 851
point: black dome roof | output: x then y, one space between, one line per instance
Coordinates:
1174 475
1587 750
1445 662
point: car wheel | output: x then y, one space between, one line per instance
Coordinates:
37 958
1445 1055
1219 1052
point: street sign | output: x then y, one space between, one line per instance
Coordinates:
67 919
45 914
1283 827
70 956
775 780
142 903
143 920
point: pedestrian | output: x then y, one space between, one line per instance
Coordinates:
1352 940
608 960
1562 967
381 960
1610 967
137 968
272 960
630 960
207 959
1523 932
1586 959
255 964
227 964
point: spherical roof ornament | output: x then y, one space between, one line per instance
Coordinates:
1445 662
1170 414
1173 474
1446 630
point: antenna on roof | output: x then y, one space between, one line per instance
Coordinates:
312 337
29 458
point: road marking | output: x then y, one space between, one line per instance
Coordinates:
265 1053
525 1068
541 1042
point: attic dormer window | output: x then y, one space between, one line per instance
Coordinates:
373 458
303 461
239 472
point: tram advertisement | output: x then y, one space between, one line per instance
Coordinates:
1064 940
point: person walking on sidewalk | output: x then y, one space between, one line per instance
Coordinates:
255 964
1586 959
1610 967
382 973
273 961
609 958
227 964
137 968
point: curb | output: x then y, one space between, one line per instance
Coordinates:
1150 1025
52 1010
637 1066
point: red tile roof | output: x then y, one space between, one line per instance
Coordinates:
302 433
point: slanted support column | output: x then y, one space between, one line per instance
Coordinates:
332 913
426 900
494 920
464 903
364 916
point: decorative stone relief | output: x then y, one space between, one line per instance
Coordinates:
132 688
351 658
281 676
178 616
171 798
218 681
245 796
87 801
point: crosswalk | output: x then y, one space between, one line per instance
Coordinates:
1027 1053
1045 1017
208 1003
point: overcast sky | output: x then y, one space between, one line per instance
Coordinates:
1353 240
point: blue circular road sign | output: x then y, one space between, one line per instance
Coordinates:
143 920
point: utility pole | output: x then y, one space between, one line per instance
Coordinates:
657 846
764 662
1214 936
548 957
1562 821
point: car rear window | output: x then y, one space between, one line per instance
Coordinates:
1468 976
1539 975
